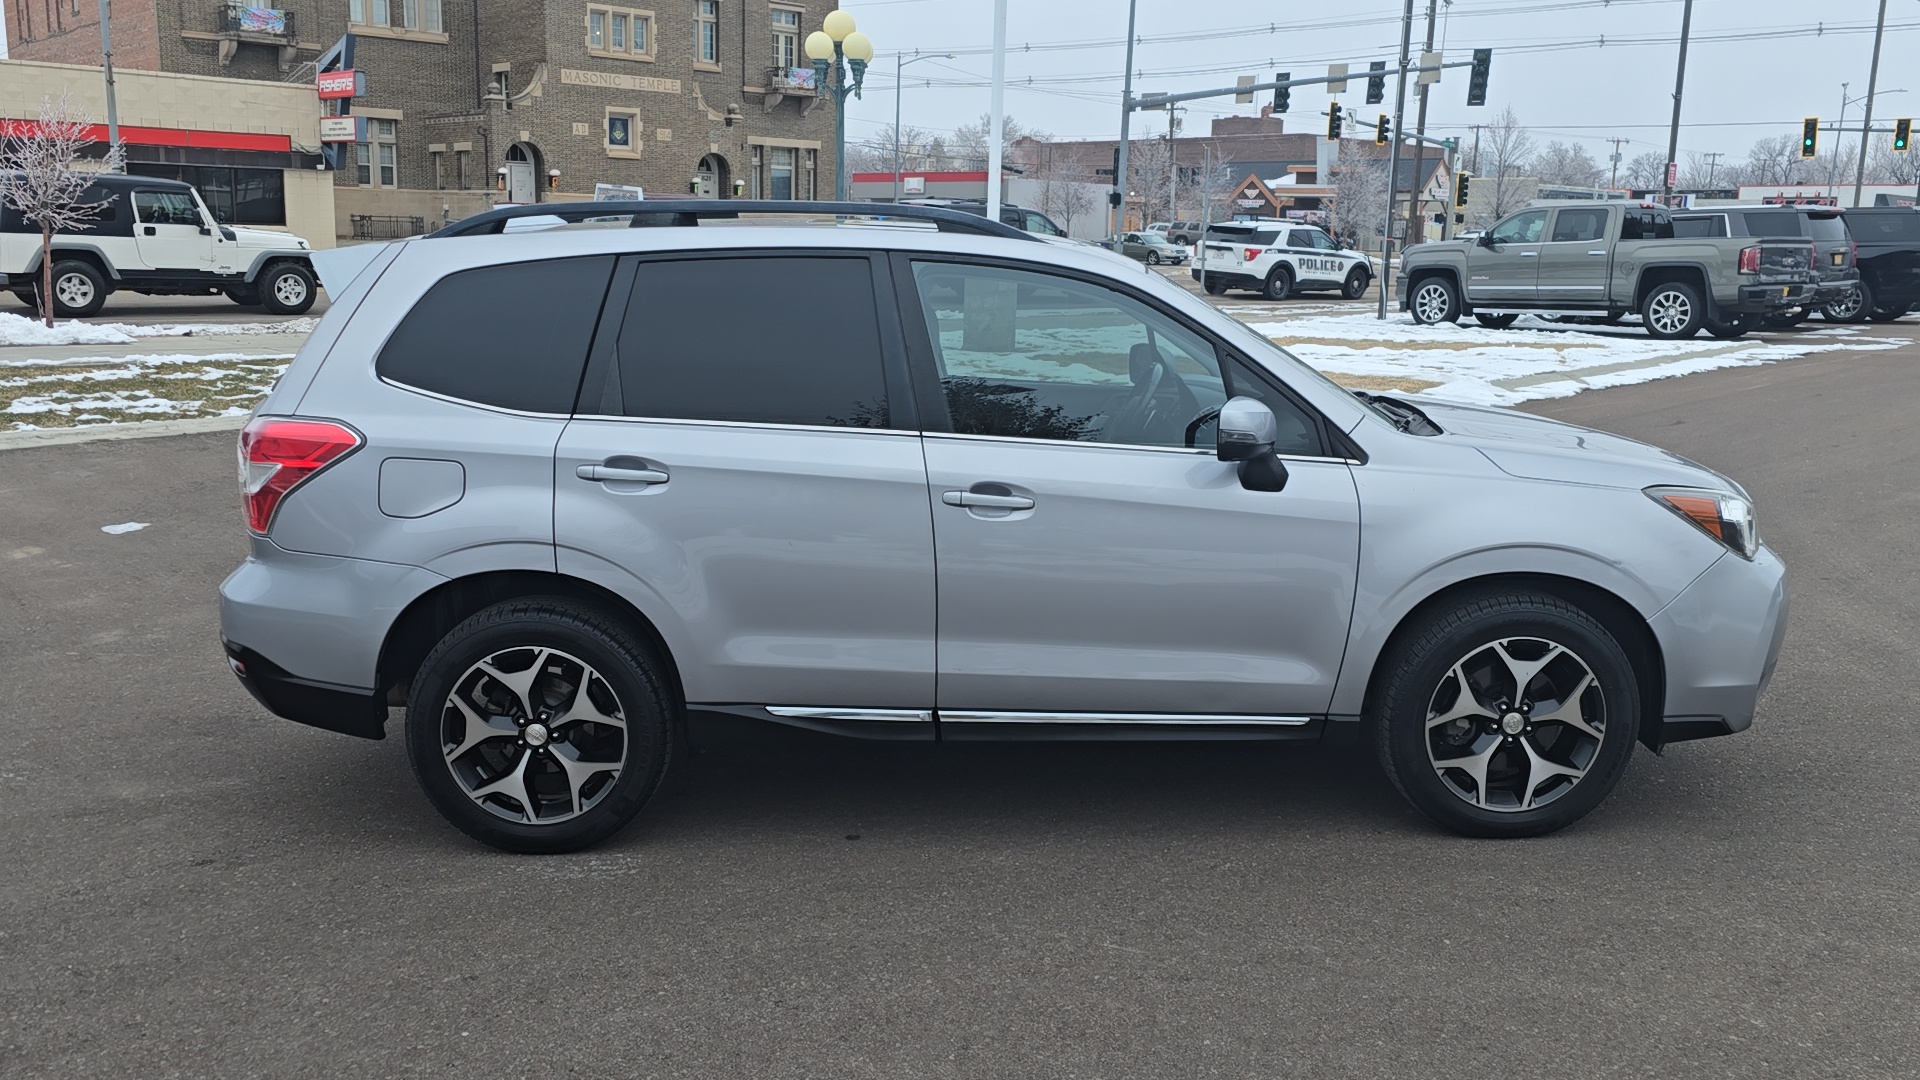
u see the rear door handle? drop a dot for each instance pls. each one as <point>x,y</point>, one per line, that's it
<point>976,500</point>
<point>607,473</point>
<point>1596,252</point>
<point>1529,254</point>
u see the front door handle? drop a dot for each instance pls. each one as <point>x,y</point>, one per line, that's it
<point>977,501</point>
<point>150,231</point>
<point>1529,254</point>
<point>609,474</point>
<point>1602,252</point>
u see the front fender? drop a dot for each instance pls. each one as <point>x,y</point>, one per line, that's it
<point>261,259</point>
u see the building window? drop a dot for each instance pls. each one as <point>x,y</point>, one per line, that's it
<point>439,170</point>
<point>401,14</point>
<point>460,166</point>
<point>786,38</point>
<point>378,159</point>
<point>706,31</point>
<point>812,170</point>
<point>621,32</point>
<point>623,133</point>
<point>780,174</point>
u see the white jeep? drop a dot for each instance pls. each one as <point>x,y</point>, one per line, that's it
<point>1277,259</point>
<point>156,237</point>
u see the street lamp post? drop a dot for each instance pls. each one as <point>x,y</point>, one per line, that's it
<point>834,48</point>
<point>899,91</point>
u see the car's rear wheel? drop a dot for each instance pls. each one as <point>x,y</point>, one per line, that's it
<point>1355,286</point>
<point>1510,714</point>
<point>1852,307</point>
<point>79,290</point>
<point>540,726</point>
<point>1279,284</point>
<point>1673,310</point>
<point>1732,328</point>
<point>1883,315</point>
<point>1215,286</point>
<point>1496,322</point>
<point>287,289</point>
<point>1780,320</point>
<point>1434,300</point>
<point>26,297</point>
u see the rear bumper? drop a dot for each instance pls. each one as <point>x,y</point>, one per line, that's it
<point>1232,278</point>
<point>346,709</point>
<point>1834,287</point>
<point>1721,639</point>
<point>1761,299</point>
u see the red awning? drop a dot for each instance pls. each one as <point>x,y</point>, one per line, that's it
<point>153,136</point>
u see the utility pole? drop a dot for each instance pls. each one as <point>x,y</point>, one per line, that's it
<point>1173,158</point>
<point>113,108</point>
<point>1419,148</point>
<point>996,129</point>
<point>1679,85</point>
<point>1833,163</point>
<point>1475,167</point>
<point>1866,126</point>
<point>1713,166</point>
<point>1393,156</point>
<point>1117,210</point>
<point>1613,181</point>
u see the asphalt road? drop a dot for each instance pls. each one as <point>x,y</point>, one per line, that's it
<point>193,888</point>
<point>127,307</point>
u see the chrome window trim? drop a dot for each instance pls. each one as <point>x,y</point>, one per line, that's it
<point>1194,451</point>
<point>758,424</point>
<point>810,712</point>
<point>972,717</point>
<point>450,399</point>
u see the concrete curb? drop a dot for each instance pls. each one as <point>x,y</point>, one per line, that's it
<point>19,440</point>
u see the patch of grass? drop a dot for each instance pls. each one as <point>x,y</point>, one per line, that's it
<point>113,392</point>
<point>1380,382</point>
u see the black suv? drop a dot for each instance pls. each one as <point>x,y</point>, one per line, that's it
<point>1888,239</point>
<point>1835,277</point>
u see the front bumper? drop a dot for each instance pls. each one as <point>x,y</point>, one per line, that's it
<point>1721,639</point>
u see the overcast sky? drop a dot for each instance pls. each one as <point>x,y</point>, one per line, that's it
<point>1754,68</point>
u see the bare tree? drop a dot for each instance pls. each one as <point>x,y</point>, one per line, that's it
<point>1700,173</point>
<point>1646,171</point>
<point>969,145</point>
<point>1359,201</point>
<point>1774,161</point>
<point>1150,178</point>
<point>875,153</point>
<point>1506,157</point>
<point>1066,186</point>
<point>1212,187</point>
<point>38,179</point>
<point>1568,164</point>
<point>1884,166</point>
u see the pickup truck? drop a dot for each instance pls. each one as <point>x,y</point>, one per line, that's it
<point>157,237</point>
<point>1889,258</point>
<point>1606,260</point>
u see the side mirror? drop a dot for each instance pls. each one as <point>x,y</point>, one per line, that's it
<point>1486,240</point>
<point>1246,433</point>
<point>204,231</point>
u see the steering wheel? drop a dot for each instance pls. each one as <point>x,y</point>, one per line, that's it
<point>1131,424</point>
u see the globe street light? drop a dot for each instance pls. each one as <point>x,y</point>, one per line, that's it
<point>837,41</point>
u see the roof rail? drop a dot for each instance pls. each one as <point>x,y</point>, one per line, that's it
<point>689,212</point>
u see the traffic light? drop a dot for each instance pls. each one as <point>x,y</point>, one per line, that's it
<point>1902,132</point>
<point>1810,137</point>
<point>1376,82</point>
<point>1334,116</point>
<point>1383,130</point>
<point>1281,93</point>
<point>1460,183</point>
<point>1477,81</point>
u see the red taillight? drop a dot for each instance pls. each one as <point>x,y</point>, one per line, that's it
<point>278,455</point>
<point>1251,254</point>
<point>1750,260</point>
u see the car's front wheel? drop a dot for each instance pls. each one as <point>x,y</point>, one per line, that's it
<point>540,726</point>
<point>287,289</point>
<point>1673,310</point>
<point>1153,258</point>
<point>1508,714</point>
<point>1497,322</point>
<point>1434,300</point>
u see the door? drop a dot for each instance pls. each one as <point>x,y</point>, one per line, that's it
<point>169,233</point>
<point>1574,262</point>
<point>520,185</point>
<point>1094,557</point>
<point>1508,266</point>
<point>753,481</point>
<point>1314,257</point>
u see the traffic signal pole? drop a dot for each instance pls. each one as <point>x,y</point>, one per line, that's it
<point>1873,79</point>
<point>1420,149</point>
<point>1393,156</point>
<point>1118,202</point>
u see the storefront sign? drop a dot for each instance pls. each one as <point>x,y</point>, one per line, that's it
<point>342,84</point>
<point>647,83</point>
<point>342,129</point>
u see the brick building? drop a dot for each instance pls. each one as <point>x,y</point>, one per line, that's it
<point>472,102</point>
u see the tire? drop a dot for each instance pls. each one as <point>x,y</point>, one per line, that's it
<point>1279,284</point>
<point>1215,286</point>
<point>1433,300</point>
<point>245,295</point>
<point>286,288</point>
<point>1153,258</point>
<point>1781,320</point>
<point>1672,311</point>
<point>552,642</point>
<point>1886,315</point>
<point>1613,318</point>
<point>1496,322</point>
<point>1734,328</point>
<point>1572,755</point>
<point>1856,306</point>
<point>27,297</point>
<point>1356,284</point>
<point>79,289</point>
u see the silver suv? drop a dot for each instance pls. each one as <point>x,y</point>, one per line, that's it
<point>555,492</point>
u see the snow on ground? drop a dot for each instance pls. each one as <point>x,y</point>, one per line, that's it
<point>19,330</point>
<point>154,386</point>
<point>1529,361</point>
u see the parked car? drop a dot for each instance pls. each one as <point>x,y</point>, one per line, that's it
<point>1836,278</point>
<point>1278,259</point>
<point>1186,232</point>
<point>155,237</point>
<point>552,541</point>
<point>1150,247</point>
<point>1889,259</point>
<point>1020,217</point>
<point>1606,260</point>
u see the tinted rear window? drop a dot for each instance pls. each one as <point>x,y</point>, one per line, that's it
<point>785,340</point>
<point>1827,229</point>
<point>1885,228</point>
<point>513,336</point>
<point>1773,223</point>
<point>1715,226</point>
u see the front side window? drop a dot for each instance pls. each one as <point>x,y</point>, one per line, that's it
<point>165,208</point>
<point>1027,355</point>
<point>706,31</point>
<point>1523,229</point>
<point>470,338</point>
<point>786,38</point>
<point>1579,226</point>
<point>1038,223</point>
<point>684,355</point>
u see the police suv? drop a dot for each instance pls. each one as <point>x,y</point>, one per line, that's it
<point>1277,259</point>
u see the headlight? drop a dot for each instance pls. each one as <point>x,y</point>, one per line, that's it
<point>1722,515</point>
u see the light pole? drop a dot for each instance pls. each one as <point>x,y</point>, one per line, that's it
<point>837,41</point>
<point>1833,164</point>
<point>899,91</point>
<point>1866,125</point>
